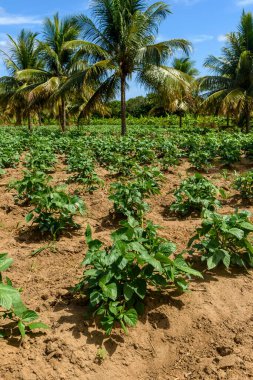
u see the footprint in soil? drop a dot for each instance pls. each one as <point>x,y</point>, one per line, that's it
<point>158,320</point>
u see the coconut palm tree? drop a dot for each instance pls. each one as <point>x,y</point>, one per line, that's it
<point>119,41</point>
<point>185,65</point>
<point>173,90</point>
<point>231,88</point>
<point>60,62</point>
<point>22,55</point>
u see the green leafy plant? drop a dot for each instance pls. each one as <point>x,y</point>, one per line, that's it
<point>195,194</point>
<point>32,183</point>
<point>244,184</point>
<point>230,150</point>
<point>117,278</point>
<point>128,198</point>
<point>41,159</point>
<point>12,307</point>
<point>201,159</point>
<point>225,239</point>
<point>83,167</point>
<point>54,210</point>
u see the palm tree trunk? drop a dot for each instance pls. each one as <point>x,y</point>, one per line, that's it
<point>248,121</point>
<point>62,115</point>
<point>180,121</point>
<point>29,120</point>
<point>39,118</point>
<point>18,118</point>
<point>123,105</point>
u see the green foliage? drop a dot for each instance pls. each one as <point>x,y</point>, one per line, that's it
<point>201,159</point>
<point>168,154</point>
<point>117,278</point>
<point>195,194</point>
<point>42,160</point>
<point>12,307</point>
<point>225,239</point>
<point>244,184</point>
<point>128,198</point>
<point>32,183</point>
<point>83,166</point>
<point>54,210</point>
<point>230,150</point>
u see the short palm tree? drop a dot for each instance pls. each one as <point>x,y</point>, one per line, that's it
<point>22,55</point>
<point>121,41</point>
<point>60,62</point>
<point>231,88</point>
<point>185,65</point>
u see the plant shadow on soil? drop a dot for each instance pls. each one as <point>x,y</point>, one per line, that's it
<point>154,315</point>
<point>32,234</point>
<point>237,201</point>
<point>13,336</point>
<point>76,308</point>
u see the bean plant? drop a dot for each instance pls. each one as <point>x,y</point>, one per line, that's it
<point>225,239</point>
<point>12,308</point>
<point>117,278</point>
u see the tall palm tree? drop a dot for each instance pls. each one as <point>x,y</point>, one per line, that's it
<point>121,39</point>
<point>22,55</point>
<point>230,89</point>
<point>60,62</point>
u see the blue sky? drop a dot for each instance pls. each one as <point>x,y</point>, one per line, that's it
<point>204,22</point>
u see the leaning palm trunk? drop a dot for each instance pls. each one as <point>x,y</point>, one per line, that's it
<point>123,106</point>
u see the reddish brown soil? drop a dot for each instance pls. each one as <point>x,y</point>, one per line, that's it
<point>203,334</point>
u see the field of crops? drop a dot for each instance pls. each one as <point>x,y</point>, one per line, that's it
<point>126,255</point>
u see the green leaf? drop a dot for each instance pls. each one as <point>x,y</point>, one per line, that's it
<point>110,291</point>
<point>29,316</point>
<point>182,284</point>
<point>10,297</point>
<point>137,247</point>
<point>140,287</point>
<point>38,325</point>
<point>95,298</point>
<point>5,301</point>
<point>152,261</point>
<point>21,328</point>
<point>248,246</point>
<point>128,292</point>
<point>247,226</point>
<point>29,217</point>
<point>5,262</point>
<point>239,234</point>
<point>226,260</point>
<point>107,323</point>
<point>215,259</point>
<point>180,264</point>
<point>130,317</point>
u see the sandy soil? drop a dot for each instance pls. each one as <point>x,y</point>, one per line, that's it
<point>203,334</point>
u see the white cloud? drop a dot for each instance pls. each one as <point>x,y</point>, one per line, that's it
<point>12,19</point>
<point>222,38</point>
<point>243,3</point>
<point>201,38</point>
